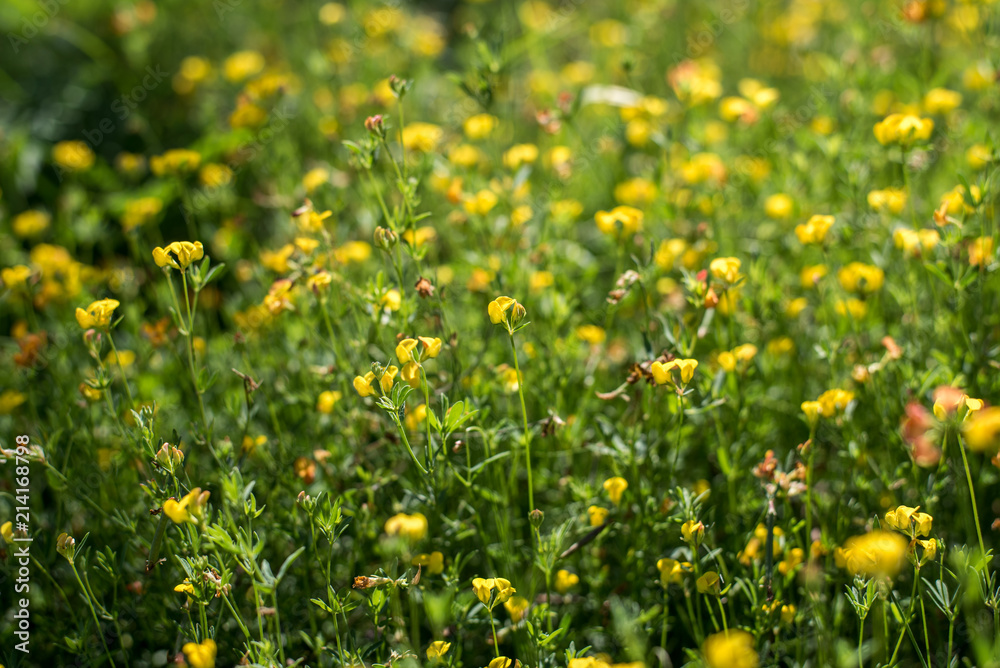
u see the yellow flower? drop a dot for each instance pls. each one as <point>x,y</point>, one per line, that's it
<point>201,655</point>
<point>484,588</point>
<point>437,649</point>
<point>432,347</point>
<point>693,532</point>
<point>907,520</point>
<point>565,581</point>
<point>726,269</point>
<point>778,206</point>
<point>671,571</point>
<point>404,350</point>
<point>504,662</point>
<point>411,527</point>
<point>833,401</point>
<point>903,129</point>
<point>597,515</point>
<point>662,372</point>
<point>591,334</point>
<point>889,199</point>
<point>928,550</point>
<point>10,400</point>
<point>853,307</point>
<point>314,178</point>
<point>465,155</point>
<point>421,137</point>
<point>432,563</point>
<point>732,649</point>
<point>242,65</point>
<point>615,487</point>
<point>15,276</point>
<point>76,156</point>
<point>814,230</point>
<point>982,430</point>
<point>411,374</point>
<point>812,410</point>
<point>7,531</point>
<point>30,223</point>
<point>188,509</point>
<point>327,400</point>
<point>981,251</point>
<point>98,314</point>
<point>520,154</point>
<point>185,587</point>
<point>516,606</point>
<point>363,384</point>
<point>941,101</point>
<point>392,300</point>
<point>879,553</point>
<point>861,278</point>
<point>480,126</point>
<point>978,156</point>
<point>481,203</point>
<point>140,211</point>
<point>709,583</point>
<point>629,218</point>
<point>179,254</point>
<point>788,613</point>
<point>498,309</point>
<point>175,161</point>
<point>635,192</point>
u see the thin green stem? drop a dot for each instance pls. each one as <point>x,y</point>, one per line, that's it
<point>406,443</point>
<point>972,498</point>
<point>496,643</point>
<point>93,612</point>
<point>524,417</point>
<point>121,369</point>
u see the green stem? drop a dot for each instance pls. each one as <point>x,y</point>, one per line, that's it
<point>406,443</point>
<point>524,417</point>
<point>93,612</point>
<point>496,643</point>
<point>861,640</point>
<point>277,622</point>
<point>237,617</point>
<point>427,414</point>
<point>121,369</point>
<point>677,442</point>
<point>972,497</point>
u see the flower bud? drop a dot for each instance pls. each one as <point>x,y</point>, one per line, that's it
<point>169,457</point>
<point>536,517</point>
<point>385,238</point>
<point>66,546</point>
<point>517,314</point>
<point>375,125</point>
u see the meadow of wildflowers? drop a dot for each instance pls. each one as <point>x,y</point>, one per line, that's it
<point>489,334</point>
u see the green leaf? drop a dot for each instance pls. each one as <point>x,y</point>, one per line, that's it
<point>935,270</point>
<point>288,562</point>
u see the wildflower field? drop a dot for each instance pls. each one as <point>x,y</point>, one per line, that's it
<point>499,334</point>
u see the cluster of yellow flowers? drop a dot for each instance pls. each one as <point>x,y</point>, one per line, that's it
<point>663,372</point>
<point>179,254</point>
<point>411,527</point>
<point>814,230</point>
<point>98,314</point>
<point>626,218</point>
<point>491,591</point>
<point>874,554</point>
<point>829,404</point>
<point>430,347</point>
<point>903,129</point>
